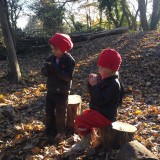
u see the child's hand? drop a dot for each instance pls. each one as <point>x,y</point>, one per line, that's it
<point>45,72</point>
<point>47,65</point>
<point>50,67</point>
<point>92,79</point>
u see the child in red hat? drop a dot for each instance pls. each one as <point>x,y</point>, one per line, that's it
<point>58,69</point>
<point>106,96</point>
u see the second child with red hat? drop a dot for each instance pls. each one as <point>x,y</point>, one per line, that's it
<point>106,96</point>
<point>58,69</point>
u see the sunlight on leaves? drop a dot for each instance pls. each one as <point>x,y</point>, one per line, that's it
<point>42,87</point>
<point>2,100</point>
<point>137,112</point>
<point>36,150</point>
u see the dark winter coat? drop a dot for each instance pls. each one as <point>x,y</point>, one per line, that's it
<point>59,76</point>
<point>107,96</point>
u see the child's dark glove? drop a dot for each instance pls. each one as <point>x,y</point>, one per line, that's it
<point>49,66</point>
<point>45,72</point>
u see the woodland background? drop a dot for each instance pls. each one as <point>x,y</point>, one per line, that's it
<point>23,51</point>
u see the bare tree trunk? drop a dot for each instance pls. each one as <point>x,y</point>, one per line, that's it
<point>155,15</point>
<point>13,62</point>
<point>131,20</point>
<point>123,3</point>
<point>143,18</point>
<point>87,19</point>
<point>112,16</point>
<point>134,19</point>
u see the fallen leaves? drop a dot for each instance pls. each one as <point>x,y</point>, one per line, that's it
<point>2,100</point>
<point>137,112</point>
<point>31,126</point>
<point>25,139</point>
<point>36,150</point>
<point>50,154</point>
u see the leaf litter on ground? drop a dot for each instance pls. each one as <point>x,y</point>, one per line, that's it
<point>24,138</point>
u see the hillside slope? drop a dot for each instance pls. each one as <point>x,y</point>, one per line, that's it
<point>139,73</point>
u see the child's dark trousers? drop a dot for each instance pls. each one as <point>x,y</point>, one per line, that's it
<point>56,105</point>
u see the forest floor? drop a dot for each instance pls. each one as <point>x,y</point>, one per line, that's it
<point>24,137</point>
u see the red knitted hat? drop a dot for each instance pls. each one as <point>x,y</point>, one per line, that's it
<point>62,42</point>
<point>110,58</point>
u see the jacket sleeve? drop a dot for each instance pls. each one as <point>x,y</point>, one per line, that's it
<point>66,74</point>
<point>102,96</point>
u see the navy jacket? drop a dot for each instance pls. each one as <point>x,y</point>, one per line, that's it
<point>59,76</point>
<point>107,96</point>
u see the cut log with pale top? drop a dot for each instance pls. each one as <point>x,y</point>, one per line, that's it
<point>135,150</point>
<point>73,109</point>
<point>116,135</point>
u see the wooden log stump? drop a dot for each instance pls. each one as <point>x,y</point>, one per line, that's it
<point>73,109</point>
<point>116,135</point>
<point>135,150</point>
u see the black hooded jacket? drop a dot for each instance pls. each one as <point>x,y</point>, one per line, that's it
<point>107,96</point>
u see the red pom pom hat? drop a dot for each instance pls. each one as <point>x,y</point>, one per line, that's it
<point>110,58</point>
<point>62,42</point>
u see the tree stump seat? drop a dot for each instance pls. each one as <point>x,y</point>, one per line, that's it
<point>73,109</point>
<point>116,135</point>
